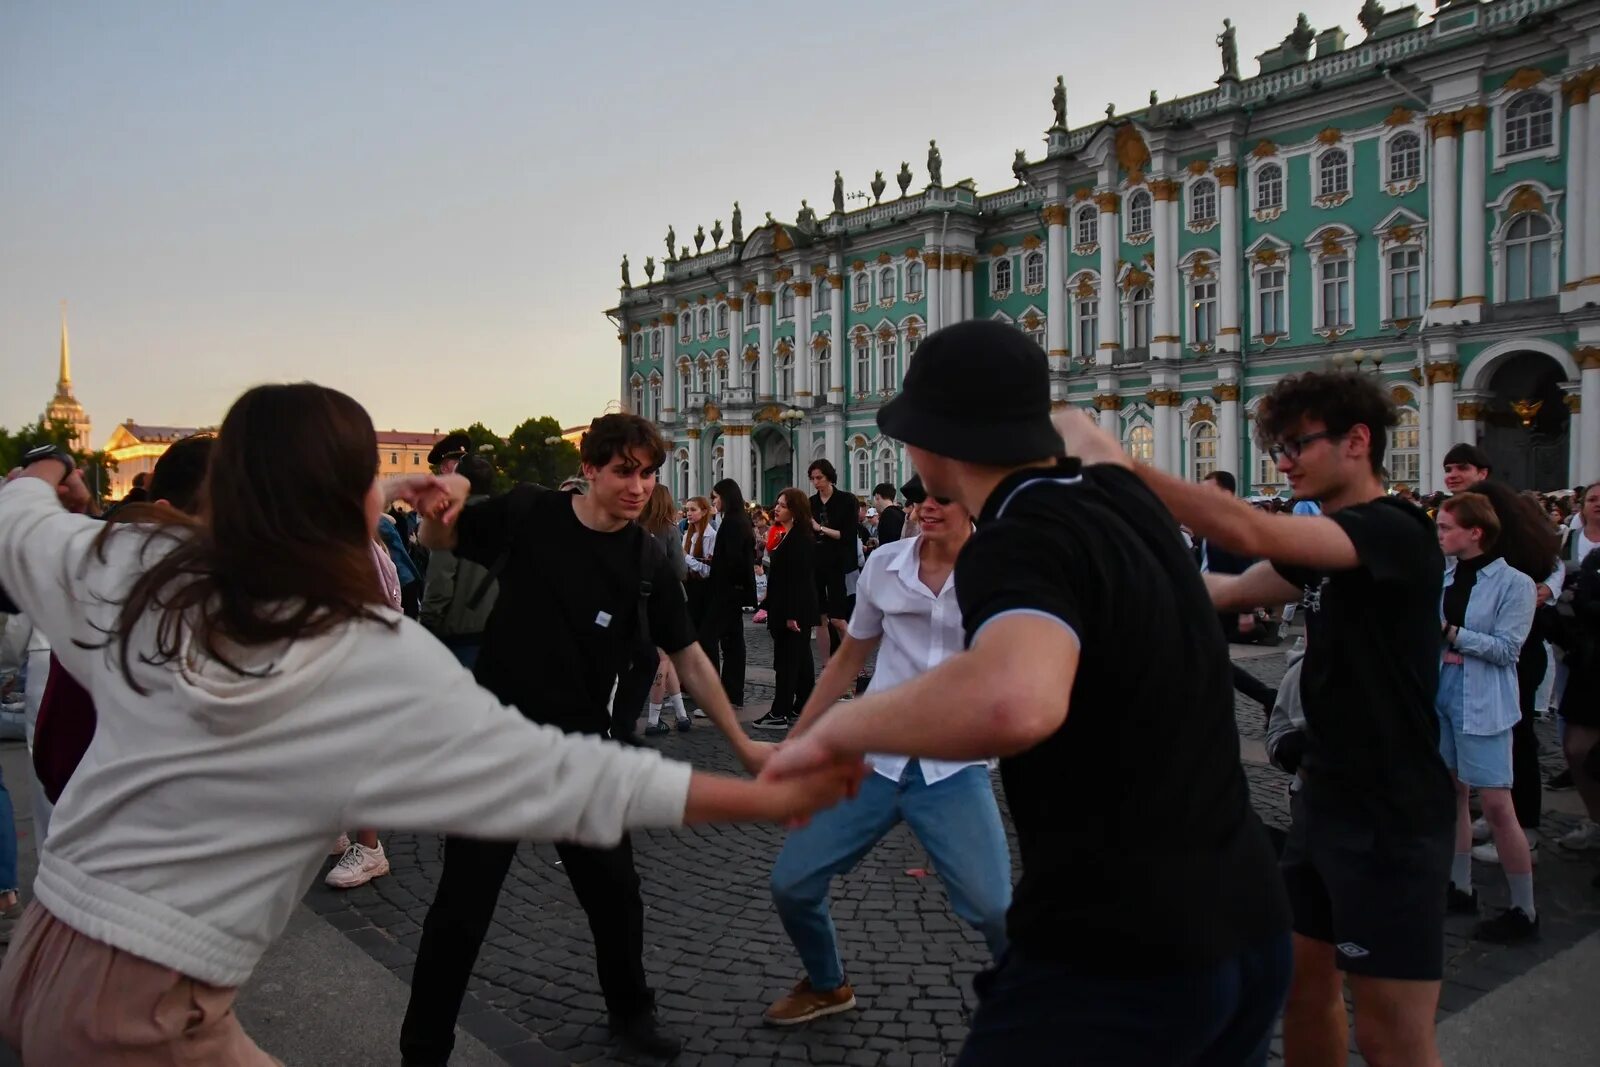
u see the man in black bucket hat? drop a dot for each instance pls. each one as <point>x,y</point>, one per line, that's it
<point>1095,667</point>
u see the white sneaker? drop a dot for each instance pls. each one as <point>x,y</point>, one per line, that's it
<point>1584,839</point>
<point>1487,853</point>
<point>358,866</point>
<point>341,845</point>
<point>1480,830</point>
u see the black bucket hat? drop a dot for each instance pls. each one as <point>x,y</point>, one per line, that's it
<point>450,446</point>
<point>977,392</point>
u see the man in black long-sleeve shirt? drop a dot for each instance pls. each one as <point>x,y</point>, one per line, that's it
<point>834,521</point>
<point>891,518</point>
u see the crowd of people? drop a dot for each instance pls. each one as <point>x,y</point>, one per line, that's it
<point>273,651</point>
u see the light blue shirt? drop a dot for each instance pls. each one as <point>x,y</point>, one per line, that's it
<point>1499,616</point>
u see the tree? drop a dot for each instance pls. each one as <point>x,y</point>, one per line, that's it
<point>96,466</point>
<point>485,442</point>
<point>536,453</point>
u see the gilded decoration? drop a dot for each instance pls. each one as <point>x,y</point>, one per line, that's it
<point>683,305</point>
<point>1442,125</point>
<point>819,344</point>
<point>1263,149</point>
<point>1082,193</point>
<point>1202,413</point>
<point>782,274</point>
<point>1402,395</point>
<point>670,318</point>
<point>701,300</point>
<point>1466,411</point>
<point>1108,203</point>
<point>1163,398</point>
<point>802,288</point>
<point>1226,392</point>
<point>1031,242</point>
<point>751,355</point>
<point>968,262</point>
<point>1330,245</point>
<point>1227,175</point>
<point>858,264</point>
<point>693,433</point>
<point>781,241</point>
<point>913,253</point>
<point>1266,256</point>
<point>1415,375</point>
<point>1444,371</point>
<point>884,259</point>
<point>1576,89</point>
<point>819,271</point>
<point>622,337</point>
<point>1331,135</point>
<point>783,347</point>
<point>1054,214</point>
<point>1085,288</point>
<point>712,413</point>
<point>1199,167</point>
<point>1588,357</point>
<point>1400,234</point>
<point>1031,321</point>
<point>735,303</point>
<point>1164,189</point>
<point>750,287</point>
<point>998,250</point>
<point>722,359</point>
<point>1135,279</point>
<point>1526,78</point>
<point>1526,198</point>
<point>1400,116</point>
<point>736,431</point>
<point>885,332</point>
<point>1573,402</point>
<point>721,297</point>
<point>836,281</point>
<point>931,260</point>
<point>1132,153</point>
<point>1108,402</point>
<point>764,298</point>
<point>1475,118</point>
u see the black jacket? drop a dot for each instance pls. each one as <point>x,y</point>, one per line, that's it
<point>732,583</point>
<point>891,524</point>
<point>792,582</point>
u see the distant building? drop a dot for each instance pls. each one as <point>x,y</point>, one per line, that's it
<point>134,449</point>
<point>573,435</point>
<point>64,407</point>
<point>404,452</point>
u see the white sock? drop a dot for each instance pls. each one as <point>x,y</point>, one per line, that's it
<point>655,714</point>
<point>1522,893</point>
<point>1461,871</point>
<point>676,700</point>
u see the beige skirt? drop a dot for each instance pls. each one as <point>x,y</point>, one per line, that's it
<point>69,999</point>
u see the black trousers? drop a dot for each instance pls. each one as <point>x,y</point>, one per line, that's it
<point>722,636</point>
<point>607,886</point>
<point>1254,688</point>
<point>793,668</point>
<point>1527,783</point>
<point>633,690</point>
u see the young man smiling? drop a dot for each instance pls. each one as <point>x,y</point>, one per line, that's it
<point>1369,852</point>
<point>579,581</point>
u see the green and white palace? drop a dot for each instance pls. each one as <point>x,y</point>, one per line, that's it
<point>1422,205</point>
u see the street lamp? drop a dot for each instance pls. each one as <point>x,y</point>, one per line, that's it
<point>791,418</point>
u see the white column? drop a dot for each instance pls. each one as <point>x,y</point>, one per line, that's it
<point>833,444</point>
<point>741,465</point>
<point>1468,412</point>
<point>764,313</point>
<point>1228,429</point>
<point>1442,235</point>
<point>1577,198</point>
<point>802,342</point>
<point>696,472</point>
<point>968,264</point>
<point>1107,403</point>
<point>1165,426</point>
<point>1228,297</point>
<point>1110,307</point>
<point>836,386</point>
<point>1165,325</point>
<point>736,363</point>
<point>952,289</point>
<point>1425,440</point>
<point>932,283</point>
<point>1591,207</point>
<point>1589,416</point>
<point>1055,280</point>
<point>1473,243</point>
<point>625,395</point>
<point>1442,383</point>
<point>1574,403</point>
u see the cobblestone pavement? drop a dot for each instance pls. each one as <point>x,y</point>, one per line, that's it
<point>716,954</point>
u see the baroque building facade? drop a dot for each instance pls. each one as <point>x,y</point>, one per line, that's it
<point>1422,206</point>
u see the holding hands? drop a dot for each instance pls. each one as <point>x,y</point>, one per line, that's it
<point>436,497</point>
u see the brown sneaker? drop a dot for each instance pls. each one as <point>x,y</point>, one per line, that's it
<point>804,1004</point>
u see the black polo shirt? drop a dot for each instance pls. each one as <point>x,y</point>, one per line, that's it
<point>1149,739</point>
<point>567,614</point>
<point>1371,673</point>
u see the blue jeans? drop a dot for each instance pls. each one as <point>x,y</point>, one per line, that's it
<point>8,840</point>
<point>1032,1011</point>
<point>957,822</point>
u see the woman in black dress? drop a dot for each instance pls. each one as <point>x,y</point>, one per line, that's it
<point>791,610</point>
<point>730,587</point>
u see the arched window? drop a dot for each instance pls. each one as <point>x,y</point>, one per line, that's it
<point>1139,212</point>
<point>1001,274</point>
<point>1088,326</point>
<point>1405,283</point>
<point>705,322</point>
<point>888,362</point>
<point>1088,225</point>
<point>748,374</point>
<point>786,303</point>
<point>913,278</point>
<point>1405,157</point>
<point>1203,201</point>
<point>654,398</point>
<point>824,368</point>
<point>863,289</point>
<point>861,372</point>
<point>786,374</point>
<point>886,288</point>
<point>683,475</point>
<point>1033,270</point>
<point>685,382</point>
<point>888,467</point>
<point>823,293</point>
<point>752,312</point>
<point>703,378</point>
<point>1202,449</point>
<point>719,464</point>
<point>1333,173</point>
<point>1203,311</point>
<point>722,375</point>
<point>1405,448</point>
<point>1528,258</point>
<point>1530,123</point>
<point>683,326</point>
<point>1142,443</point>
<point>1334,277</point>
<point>1269,187</point>
<point>1035,332</point>
<point>1140,303</point>
<point>722,318</point>
<point>1267,472</point>
<point>638,347</point>
<point>637,402</point>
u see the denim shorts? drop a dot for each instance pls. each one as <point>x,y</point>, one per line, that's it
<point>1477,760</point>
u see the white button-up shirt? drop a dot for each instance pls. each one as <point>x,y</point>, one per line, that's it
<point>920,630</point>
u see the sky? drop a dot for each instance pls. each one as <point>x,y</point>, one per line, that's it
<point>425,204</point>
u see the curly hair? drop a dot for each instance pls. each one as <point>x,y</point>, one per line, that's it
<point>1338,400</point>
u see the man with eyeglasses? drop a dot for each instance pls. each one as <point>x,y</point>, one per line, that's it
<point>1368,856</point>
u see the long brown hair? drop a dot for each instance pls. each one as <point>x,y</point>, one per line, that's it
<point>799,506</point>
<point>281,550</point>
<point>657,515</point>
<point>694,537</point>
<point>1524,537</point>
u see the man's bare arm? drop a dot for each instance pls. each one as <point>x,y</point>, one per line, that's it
<point>1259,587</point>
<point>702,682</point>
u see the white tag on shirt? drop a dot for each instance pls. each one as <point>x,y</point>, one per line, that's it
<point>602,620</point>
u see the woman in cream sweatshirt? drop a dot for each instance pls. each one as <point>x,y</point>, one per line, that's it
<point>255,696</point>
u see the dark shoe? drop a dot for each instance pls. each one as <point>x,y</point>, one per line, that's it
<point>685,725</point>
<point>644,1035</point>
<point>656,729</point>
<point>1460,902</point>
<point>1510,925</point>
<point>772,721</point>
<point>1561,782</point>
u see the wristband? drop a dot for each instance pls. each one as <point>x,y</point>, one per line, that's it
<point>55,452</point>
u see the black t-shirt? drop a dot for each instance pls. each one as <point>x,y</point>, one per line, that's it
<point>1459,592</point>
<point>567,616</point>
<point>839,513</point>
<point>891,524</point>
<point>1149,738</point>
<point>1371,673</point>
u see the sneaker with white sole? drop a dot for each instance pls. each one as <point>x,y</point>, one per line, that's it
<point>1585,838</point>
<point>341,845</point>
<point>1487,853</point>
<point>1480,830</point>
<point>358,866</point>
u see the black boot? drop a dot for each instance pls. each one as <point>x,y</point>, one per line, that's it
<point>643,1034</point>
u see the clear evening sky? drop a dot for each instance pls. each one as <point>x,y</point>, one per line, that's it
<point>425,204</point>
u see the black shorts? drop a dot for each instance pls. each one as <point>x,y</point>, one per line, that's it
<point>832,600</point>
<point>1377,896</point>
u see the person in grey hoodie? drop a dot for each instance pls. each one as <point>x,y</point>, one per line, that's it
<point>459,595</point>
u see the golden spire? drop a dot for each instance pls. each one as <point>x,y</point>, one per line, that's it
<point>64,382</point>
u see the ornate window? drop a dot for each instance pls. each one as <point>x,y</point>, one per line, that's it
<point>888,361</point>
<point>888,466</point>
<point>1267,472</point>
<point>913,279</point>
<point>722,318</point>
<point>1202,449</point>
<point>752,308</point>
<point>1333,174</point>
<point>913,329</point>
<point>685,381</point>
<point>886,285</point>
<point>823,293</point>
<point>785,374</point>
<point>719,464</point>
<point>1139,214</point>
<point>861,373</point>
<point>1142,442</point>
<point>1140,304</point>
<point>861,463</point>
<point>1269,187</point>
<point>683,474</point>
<point>1088,327</point>
<point>636,406</point>
<point>1333,277</point>
<point>863,286</point>
<point>1000,274</point>
<point>824,369</point>
<point>638,347</point>
<point>705,322</point>
<point>1529,258</point>
<point>1405,283</point>
<point>722,373</point>
<point>1202,201</point>
<point>1203,311</point>
<point>1033,271</point>
<point>1529,123</point>
<point>703,378</point>
<point>748,373</point>
<point>1088,225</point>
<point>1405,448</point>
<point>1405,158</point>
<point>685,327</point>
<point>1272,318</point>
<point>654,395</point>
<point>785,303</point>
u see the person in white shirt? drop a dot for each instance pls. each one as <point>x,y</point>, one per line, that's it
<point>905,608</point>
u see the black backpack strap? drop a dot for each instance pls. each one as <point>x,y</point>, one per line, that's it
<point>517,511</point>
<point>647,568</point>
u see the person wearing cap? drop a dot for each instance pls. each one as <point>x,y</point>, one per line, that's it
<point>1096,669</point>
<point>447,452</point>
<point>906,609</point>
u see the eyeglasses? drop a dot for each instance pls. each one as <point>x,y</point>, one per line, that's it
<point>1296,445</point>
